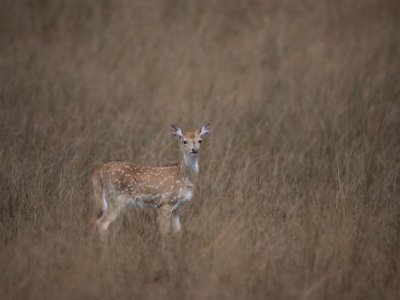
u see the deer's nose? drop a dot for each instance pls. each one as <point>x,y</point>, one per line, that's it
<point>195,150</point>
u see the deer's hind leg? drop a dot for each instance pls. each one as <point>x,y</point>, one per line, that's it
<point>110,211</point>
<point>108,216</point>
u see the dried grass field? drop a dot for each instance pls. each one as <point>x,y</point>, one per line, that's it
<point>298,195</point>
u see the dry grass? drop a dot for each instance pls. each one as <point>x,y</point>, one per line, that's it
<point>298,195</point>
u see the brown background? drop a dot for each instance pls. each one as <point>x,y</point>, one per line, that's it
<point>298,194</point>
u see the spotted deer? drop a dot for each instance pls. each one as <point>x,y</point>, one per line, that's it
<point>120,184</point>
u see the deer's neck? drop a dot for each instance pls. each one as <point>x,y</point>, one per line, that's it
<point>190,166</point>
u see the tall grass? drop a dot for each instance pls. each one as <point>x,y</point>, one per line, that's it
<point>298,192</point>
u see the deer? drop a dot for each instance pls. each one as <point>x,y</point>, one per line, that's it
<point>119,185</point>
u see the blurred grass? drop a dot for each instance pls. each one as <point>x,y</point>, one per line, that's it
<point>298,194</point>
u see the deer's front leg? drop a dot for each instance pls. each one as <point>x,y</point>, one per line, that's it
<point>176,222</point>
<point>165,218</point>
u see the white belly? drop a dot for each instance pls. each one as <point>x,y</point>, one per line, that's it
<point>145,201</point>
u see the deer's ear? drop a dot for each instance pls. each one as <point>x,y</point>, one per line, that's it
<point>205,129</point>
<point>176,132</point>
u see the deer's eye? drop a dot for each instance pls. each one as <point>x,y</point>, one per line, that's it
<point>200,142</point>
<point>185,142</point>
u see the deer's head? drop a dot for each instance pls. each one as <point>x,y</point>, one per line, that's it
<point>190,140</point>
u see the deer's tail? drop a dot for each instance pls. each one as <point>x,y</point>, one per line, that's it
<point>99,194</point>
